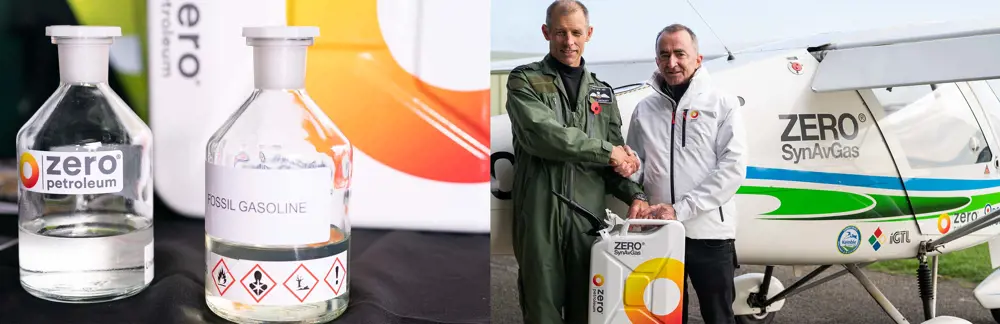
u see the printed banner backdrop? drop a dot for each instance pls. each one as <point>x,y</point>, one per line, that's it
<point>406,81</point>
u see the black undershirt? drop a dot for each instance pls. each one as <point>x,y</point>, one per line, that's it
<point>571,77</point>
<point>677,91</point>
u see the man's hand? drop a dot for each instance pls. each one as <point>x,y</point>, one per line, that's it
<point>631,152</point>
<point>629,165</point>
<point>618,156</point>
<point>627,168</point>
<point>638,209</point>
<point>662,211</point>
<point>659,211</point>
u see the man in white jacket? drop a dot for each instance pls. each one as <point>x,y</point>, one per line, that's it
<point>690,140</point>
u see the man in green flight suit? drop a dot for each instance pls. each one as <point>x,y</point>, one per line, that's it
<point>567,138</point>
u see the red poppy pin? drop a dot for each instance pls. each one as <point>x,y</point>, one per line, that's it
<point>595,107</point>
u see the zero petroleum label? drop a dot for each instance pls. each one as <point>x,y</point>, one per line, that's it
<point>71,173</point>
<point>278,283</point>
<point>947,222</point>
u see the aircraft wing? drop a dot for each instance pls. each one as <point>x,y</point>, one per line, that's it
<point>617,72</point>
<point>895,56</point>
<point>965,51</point>
<point>510,64</point>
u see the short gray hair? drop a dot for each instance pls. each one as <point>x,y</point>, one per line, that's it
<point>565,7</point>
<point>677,28</point>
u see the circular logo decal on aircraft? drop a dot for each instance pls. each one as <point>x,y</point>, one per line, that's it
<point>598,280</point>
<point>944,223</point>
<point>795,67</point>
<point>849,239</point>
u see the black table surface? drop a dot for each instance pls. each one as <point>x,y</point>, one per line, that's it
<point>396,277</point>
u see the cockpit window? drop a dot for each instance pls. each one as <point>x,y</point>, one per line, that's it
<point>934,124</point>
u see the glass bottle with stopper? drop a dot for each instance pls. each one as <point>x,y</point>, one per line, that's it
<point>85,182</point>
<point>277,180</point>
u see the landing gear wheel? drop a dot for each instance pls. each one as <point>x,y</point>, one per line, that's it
<point>766,318</point>
<point>995,312</point>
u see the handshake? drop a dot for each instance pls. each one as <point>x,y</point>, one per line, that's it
<point>624,160</point>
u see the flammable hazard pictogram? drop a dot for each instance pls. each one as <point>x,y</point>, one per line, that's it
<point>258,283</point>
<point>222,278</point>
<point>336,276</point>
<point>303,284</point>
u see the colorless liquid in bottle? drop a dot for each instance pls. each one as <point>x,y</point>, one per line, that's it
<point>85,216</point>
<point>86,256</point>
<point>320,312</point>
<point>223,278</point>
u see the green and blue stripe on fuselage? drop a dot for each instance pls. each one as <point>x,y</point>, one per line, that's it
<point>813,208</point>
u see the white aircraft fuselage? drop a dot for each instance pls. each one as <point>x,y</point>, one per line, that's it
<point>835,177</point>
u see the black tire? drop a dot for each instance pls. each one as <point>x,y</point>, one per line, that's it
<point>996,314</point>
<point>757,318</point>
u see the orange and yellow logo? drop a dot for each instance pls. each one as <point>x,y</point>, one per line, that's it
<point>28,163</point>
<point>598,280</point>
<point>401,119</point>
<point>671,270</point>
<point>695,114</point>
<point>944,223</point>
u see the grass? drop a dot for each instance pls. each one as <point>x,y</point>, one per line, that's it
<point>971,265</point>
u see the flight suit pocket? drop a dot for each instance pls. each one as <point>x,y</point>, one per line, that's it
<point>554,102</point>
<point>603,121</point>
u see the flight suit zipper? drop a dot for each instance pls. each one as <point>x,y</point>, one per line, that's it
<point>567,213</point>
<point>569,194</point>
<point>590,122</point>
<point>684,129</point>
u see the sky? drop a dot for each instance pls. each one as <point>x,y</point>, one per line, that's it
<point>626,29</point>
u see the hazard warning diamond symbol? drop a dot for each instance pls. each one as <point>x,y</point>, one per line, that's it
<point>336,276</point>
<point>222,278</point>
<point>258,283</point>
<point>303,284</point>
